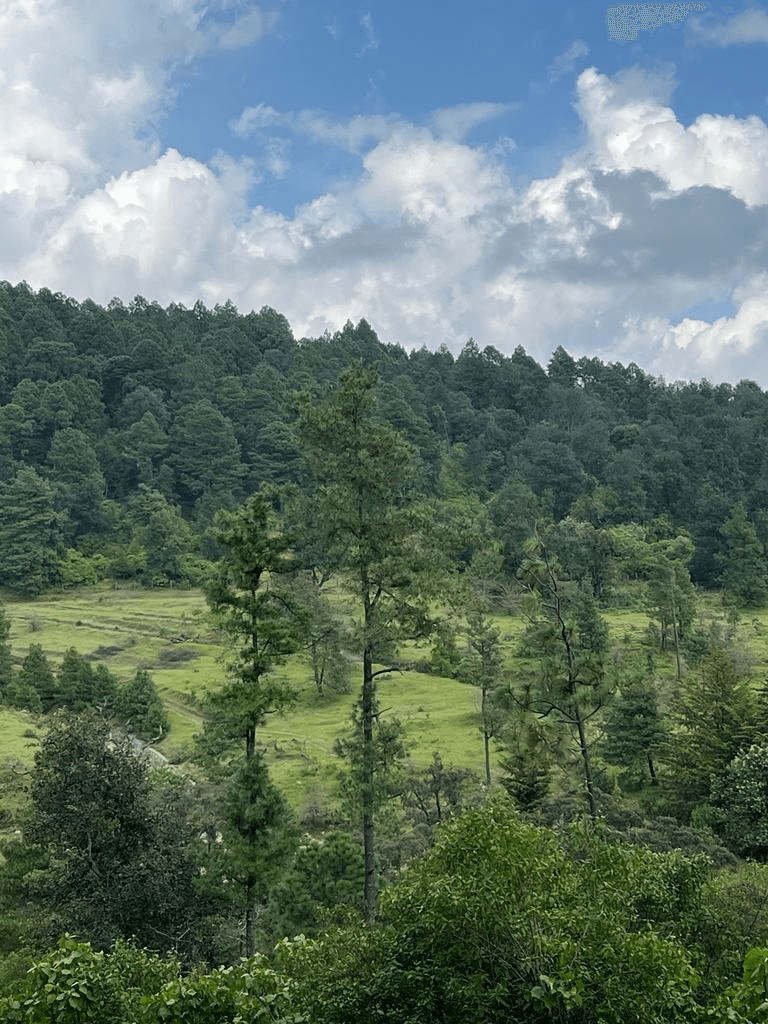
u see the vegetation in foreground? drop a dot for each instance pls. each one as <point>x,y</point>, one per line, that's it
<point>483,530</point>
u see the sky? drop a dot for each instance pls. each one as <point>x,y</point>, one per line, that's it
<point>518,172</point>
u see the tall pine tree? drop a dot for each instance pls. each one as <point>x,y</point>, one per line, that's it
<point>745,571</point>
<point>362,472</point>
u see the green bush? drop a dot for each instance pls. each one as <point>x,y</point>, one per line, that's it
<point>502,921</point>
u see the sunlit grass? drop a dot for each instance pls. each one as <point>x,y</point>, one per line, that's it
<point>169,633</point>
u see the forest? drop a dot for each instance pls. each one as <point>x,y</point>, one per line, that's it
<point>581,548</point>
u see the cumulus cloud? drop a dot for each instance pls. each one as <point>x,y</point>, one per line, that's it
<point>83,88</point>
<point>639,132</point>
<point>164,222</point>
<point>430,239</point>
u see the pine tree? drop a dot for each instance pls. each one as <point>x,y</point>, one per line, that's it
<point>714,718</point>
<point>76,681</point>
<point>36,677</point>
<point>362,472</point>
<point>481,667</point>
<point>567,637</point>
<point>259,620</point>
<point>633,728</point>
<point>138,703</point>
<point>745,571</point>
<point>257,617</point>
<point>6,663</point>
<point>30,534</point>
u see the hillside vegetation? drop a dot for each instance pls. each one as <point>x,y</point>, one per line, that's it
<point>454,666</point>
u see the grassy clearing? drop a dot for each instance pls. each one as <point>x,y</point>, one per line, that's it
<point>169,633</point>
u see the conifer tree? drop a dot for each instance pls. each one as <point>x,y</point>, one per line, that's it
<point>745,571</point>
<point>634,731</point>
<point>362,472</point>
<point>139,704</point>
<point>258,617</point>
<point>481,667</point>
<point>36,677</point>
<point>714,718</point>
<point>30,533</point>
<point>567,638</point>
<point>6,664</point>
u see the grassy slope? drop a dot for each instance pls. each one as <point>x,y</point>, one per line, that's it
<point>168,632</point>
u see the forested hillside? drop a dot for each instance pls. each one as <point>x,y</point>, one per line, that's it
<point>170,414</point>
<point>581,547</point>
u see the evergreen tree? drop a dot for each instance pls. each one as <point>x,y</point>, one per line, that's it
<point>36,678</point>
<point>138,703</point>
<point>256,613</point>
<point>362,471</point>
<point>162,536</point>
<point>567,638</point>
<point>526,774</point>
<point>481,667</point>
<point>30,534</point>
<point>259,841</point>
<point>6,663</point>
<point>78,482</point>
<point>634,732</point>
<point>714,718</point>
<point>257,617</point>
<point>205,456</point>
<point>670,598</point>
<point>745,572</point>
<point>77,683</point>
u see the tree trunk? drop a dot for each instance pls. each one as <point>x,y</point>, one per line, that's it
<point>587,763</point>
<point>575,714</point>
<point>250,924</point>
<point>652,770</point>
<point>674,628</point>
<point>368,708</point>
<point>486,737</point>
<point>317,668</point>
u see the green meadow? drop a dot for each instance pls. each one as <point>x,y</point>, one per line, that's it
<point>169,633</point>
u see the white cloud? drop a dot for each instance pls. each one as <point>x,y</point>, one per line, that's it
<point>710,347</point>
<point>276,157</point>
<point>247,29</point>
<point>254,118</point>
<point>567,60</point>
<point>165,222</point>
<point>641,133</point>
<point>429,239</point>
<point>362,130</point>
<point>456,122</point>
<point>352,133</point>
<point>371,39</point>
<point>750,26</point>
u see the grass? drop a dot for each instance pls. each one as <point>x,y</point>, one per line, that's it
<point>165,631</point>
<point>168,632</point>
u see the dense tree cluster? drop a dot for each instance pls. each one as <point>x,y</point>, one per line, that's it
<point>123,429</point>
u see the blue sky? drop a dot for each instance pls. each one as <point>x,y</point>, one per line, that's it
<point>499,169</point>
